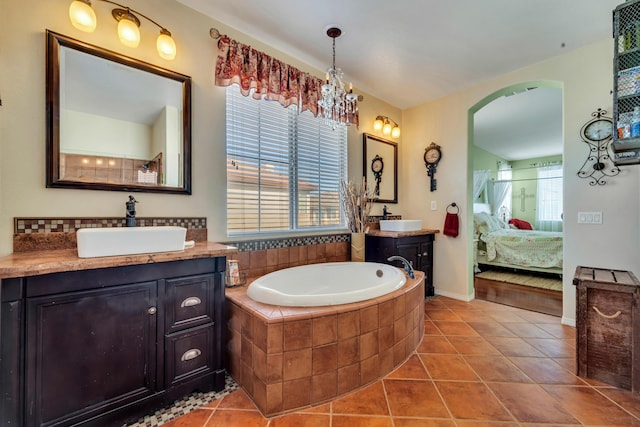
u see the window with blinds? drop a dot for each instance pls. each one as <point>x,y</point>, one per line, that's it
<point>283,168</point>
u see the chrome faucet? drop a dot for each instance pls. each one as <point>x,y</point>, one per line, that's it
<point>131,212</point>
<point>408,265</point>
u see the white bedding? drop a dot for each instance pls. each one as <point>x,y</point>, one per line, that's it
<point>525,248</point>
<point>518,248</point>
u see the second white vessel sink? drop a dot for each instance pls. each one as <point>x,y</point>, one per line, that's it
<point>96,242</point>
<point>400,225</point>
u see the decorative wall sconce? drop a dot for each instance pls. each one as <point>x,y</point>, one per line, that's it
<point>388,126</point>
<point>83,17</point>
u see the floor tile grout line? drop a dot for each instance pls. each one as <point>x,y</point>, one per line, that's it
<point>484,382</point>
<point>538,384</point>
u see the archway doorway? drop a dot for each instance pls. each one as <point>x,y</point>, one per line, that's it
<point>515,145</point>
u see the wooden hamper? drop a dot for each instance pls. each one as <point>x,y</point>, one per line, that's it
<point>608,326</point>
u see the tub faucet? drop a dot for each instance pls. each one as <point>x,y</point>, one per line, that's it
<point>385,212</point>
<point>408,265</point>
<point>131,212</point>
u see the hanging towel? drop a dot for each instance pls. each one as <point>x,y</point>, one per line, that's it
<point>451,224</point>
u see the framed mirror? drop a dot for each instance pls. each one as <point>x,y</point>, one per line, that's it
<point>114,122</point>
<point>380,168</point>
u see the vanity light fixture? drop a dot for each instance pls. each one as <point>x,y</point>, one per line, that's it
<point>83,17</point>
<point>388,126</point>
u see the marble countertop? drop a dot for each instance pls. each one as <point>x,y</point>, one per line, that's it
<point>21,264</point>
<point>380,233</point>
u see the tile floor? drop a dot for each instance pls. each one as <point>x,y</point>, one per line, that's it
<point>479,364</point>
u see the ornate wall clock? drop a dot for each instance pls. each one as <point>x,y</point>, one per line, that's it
<point>432,155</point>
<point>377,166</point>
<point>597,134</point>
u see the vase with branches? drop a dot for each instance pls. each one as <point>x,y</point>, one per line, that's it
<point>356,204</point>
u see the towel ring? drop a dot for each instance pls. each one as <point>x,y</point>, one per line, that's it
<point>453,205</point>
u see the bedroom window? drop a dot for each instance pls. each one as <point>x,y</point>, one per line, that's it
<point>549,206</point>
<point>503,190</point>
<point>283,168</point>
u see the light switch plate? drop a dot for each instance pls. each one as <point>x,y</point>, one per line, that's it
<point>434,205</point>
<point>589,217</point>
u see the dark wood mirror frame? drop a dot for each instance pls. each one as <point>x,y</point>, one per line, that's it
<point>387,151</point>
<point>54,43</point>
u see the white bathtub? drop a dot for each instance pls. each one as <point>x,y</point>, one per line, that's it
<point>326,284</point>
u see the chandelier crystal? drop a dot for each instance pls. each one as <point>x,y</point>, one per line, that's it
<point>337,106</point>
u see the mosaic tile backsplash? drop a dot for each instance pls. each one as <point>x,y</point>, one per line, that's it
<point>66,225</point>
<point>40,234</point>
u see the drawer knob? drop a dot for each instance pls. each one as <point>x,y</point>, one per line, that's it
<point>190,302</point>
<point>190,354</point>
<point>612,316</point>
<point>152,310</point>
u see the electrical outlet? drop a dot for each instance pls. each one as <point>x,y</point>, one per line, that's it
<point>434,205</point>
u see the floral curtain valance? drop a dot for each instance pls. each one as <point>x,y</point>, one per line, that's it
<point>270,78</point>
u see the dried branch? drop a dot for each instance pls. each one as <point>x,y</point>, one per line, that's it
<point>356,204</point>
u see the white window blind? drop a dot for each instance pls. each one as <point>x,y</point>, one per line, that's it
<point>283,168</point>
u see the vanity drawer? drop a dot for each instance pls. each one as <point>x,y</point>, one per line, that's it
<point>190,302</point>
<point>189,354</point>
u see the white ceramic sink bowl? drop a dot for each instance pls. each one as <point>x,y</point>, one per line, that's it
<point>400,224</point>
<point>95,242</point>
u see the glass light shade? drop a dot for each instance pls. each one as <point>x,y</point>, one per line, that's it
<point>377,124</point>
<point>82,16</point>
<point>395,132</point>
<point>166,46</point>
<point>128,33</point>
<point>386,129</point>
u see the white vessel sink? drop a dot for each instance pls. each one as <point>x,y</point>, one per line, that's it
<point>400,225</point>
<point>95,242</point>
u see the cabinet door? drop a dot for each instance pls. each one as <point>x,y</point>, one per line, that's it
<point>89,352</point>
<point>410,252</point>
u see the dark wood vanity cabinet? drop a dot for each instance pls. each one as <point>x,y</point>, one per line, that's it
<point>104,346</point>
<point>417,249</point>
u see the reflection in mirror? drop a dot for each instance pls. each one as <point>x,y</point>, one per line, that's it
<point>115,123</point>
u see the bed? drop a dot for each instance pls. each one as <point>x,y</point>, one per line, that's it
<point>521,256</point>
<point>500,244</point>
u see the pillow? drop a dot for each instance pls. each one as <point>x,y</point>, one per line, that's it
<point>520,224</point>
<point>486,223</point>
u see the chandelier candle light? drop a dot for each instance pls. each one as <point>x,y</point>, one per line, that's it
<point>83,17</point>
<point>337,106</point>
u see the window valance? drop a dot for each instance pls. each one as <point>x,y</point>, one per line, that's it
<point>266,77</point>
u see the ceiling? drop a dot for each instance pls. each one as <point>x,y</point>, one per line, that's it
<point>408,52</point>
<point>522,125</point>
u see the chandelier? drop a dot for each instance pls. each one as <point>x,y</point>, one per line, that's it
<point>337,106</point>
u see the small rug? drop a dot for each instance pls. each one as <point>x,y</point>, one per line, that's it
<point>184,405</point>
<point>523,279</point>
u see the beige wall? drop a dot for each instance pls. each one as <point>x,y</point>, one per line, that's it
<point>585,75</point>
<point>22,115</point>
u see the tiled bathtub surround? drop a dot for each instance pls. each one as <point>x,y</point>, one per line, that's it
<point>287,358</point>
<point>260,257</point>
<point>36,234</point>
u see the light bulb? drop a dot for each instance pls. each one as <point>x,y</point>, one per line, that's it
<point>82,16</point>
<point>395,132</point>
<point>166,46</point>
<point>128,32</point>
<point>377,124</point>
<point>386,129</point>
